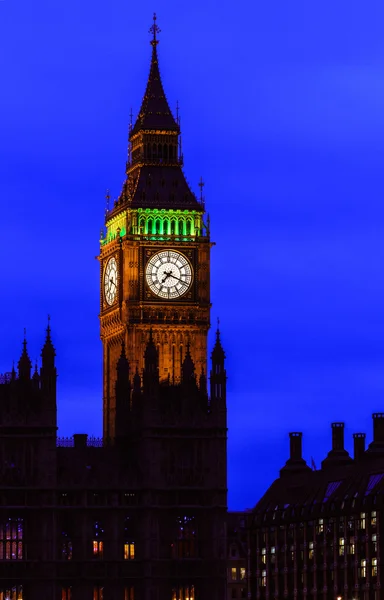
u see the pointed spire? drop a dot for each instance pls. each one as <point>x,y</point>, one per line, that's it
<point>137,382</point>
<point>203,382</point>
<point>48,352</point>
<point>122,364</point>
<point>188,367</point>
<point>24,364</point>
<point>150,354</point>
<point>218,354</point>
<point>154,112</point>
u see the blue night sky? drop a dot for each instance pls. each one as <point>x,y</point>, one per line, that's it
<point>282,114</point>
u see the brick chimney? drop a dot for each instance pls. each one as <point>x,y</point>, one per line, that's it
<point>358,445</point>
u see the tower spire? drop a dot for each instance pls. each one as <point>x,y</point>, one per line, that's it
<point>24,364</point>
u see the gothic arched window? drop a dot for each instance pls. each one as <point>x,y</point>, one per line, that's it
<point>185,544</point>
<point>98,540</point>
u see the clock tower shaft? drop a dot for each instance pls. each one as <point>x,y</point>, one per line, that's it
<point>155,216</point>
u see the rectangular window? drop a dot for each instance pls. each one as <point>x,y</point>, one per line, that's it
<point>66,547</point>
<point>11,539</point>
<point>66,593</point>
<point>184,593</point>
<point>129,550</point>
<point>311,552</point>
<point>292,552</point>
<point>264,555</point>
<point>374,542</point>
<point>362,521</point>
<point>373,518</point>
<point>273,554</point>
<point>242,572</point>
<point>363,568</point>
<point>234,574</point>
<point>129,593</point>
<point>341,546</point>
<point>98,549</point>
<point>320,526</point>
<point>351,546</point>
<point>98,592</point>
<point>374,567</point>
<point>263,581</point>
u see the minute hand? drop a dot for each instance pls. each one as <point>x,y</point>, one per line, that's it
<point>178,278</point>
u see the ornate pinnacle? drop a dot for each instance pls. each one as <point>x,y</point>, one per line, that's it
<point>154,30</point>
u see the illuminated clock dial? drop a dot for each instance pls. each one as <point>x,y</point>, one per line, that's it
<point>168,274</point>
<point>110,281</point>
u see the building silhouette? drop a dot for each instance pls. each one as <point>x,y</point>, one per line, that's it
<point>141,513</point>
<point>318,534</point>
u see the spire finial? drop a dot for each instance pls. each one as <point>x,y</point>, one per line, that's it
<point>107,197</point>
<point>201,186</point>
<point>155,29</point>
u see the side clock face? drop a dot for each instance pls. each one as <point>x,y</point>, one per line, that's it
<point>168,274</point>
<point>110,281</point>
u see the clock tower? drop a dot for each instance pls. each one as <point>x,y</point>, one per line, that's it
<point>155,255</point>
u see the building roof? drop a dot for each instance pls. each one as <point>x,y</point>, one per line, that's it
<point>163,187</point>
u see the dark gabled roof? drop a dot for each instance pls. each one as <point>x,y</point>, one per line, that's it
<point>155,112</point>
<point>316,491</point>
<point>163,187</point>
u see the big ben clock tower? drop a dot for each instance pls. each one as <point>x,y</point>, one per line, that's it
<point>155,254</point>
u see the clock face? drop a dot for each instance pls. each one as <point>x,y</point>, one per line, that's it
<point>110,281</point>
<point>168,274</point>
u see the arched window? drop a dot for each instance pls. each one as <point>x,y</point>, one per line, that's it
<point>185,545</point>
<point>150,226</point>
<point>98,540</point>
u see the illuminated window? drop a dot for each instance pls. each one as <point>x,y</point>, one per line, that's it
<point>362,521</point>
<point>373,518</point>
<point>11,539</point>
<point>98,543</point>
<point>363,568</point>
<point>242,572</point>
<point>98,592</point>
<point>234,573</point>
<point>185,545</point>
<point>311,552</point>
<point>13,593</point>
<point>264,555</point>
<point>374,542</point>
<point>184,593</point>
<point>292,552</point>
<point>129,593</point>
<point>129,550</point>
<point>320,526</point>
<point>341,546</point>
<point>66,593</point>
<point>98,549</point>
<point>374,567</point>
<point>351,546</point>
<point>263,581</point>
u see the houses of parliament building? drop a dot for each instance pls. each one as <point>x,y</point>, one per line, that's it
<point>141,513</point>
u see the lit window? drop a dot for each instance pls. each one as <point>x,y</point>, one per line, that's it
<point>373,518</point>
<point>292,551</point>
<point>129,550</point>
<point>184,593</point>
<point>11,539</point>
<point>242,573</point>
<point>263,581</point>
<point>273,554</point>
<point>234,573</point>
<point>264,555</point>
<point>363,568</point>
<point>66,593</point>
<point>98,549</point>
<point>320,526</point>
<point>311,551</point>
<point>98,593</point>
<point>185,545</point>
<point>351,546</point>
<point>374,567</point>
<point>66,546</point>
<point>374,542</point>
<point>341,546</point>
<point>362,521</point>
<point>129,593</point>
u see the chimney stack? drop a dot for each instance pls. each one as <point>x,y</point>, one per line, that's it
<point>337,436</point>
<point>295,442</point>
<point>378,428</point>
<point>358,445</point>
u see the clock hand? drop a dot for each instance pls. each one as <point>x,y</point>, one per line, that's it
<point>111,281</point>
<point>178,279</point>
